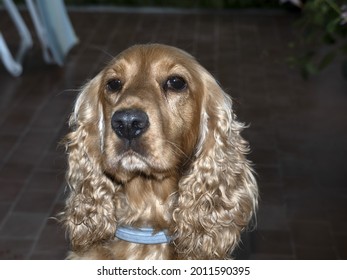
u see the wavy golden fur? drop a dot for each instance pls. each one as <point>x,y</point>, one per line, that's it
<point>185,170</point>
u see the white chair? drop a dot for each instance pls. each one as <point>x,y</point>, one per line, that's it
<point>53,28</point>
<point>14,64</point>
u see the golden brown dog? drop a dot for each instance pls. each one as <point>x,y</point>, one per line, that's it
<point>157,166</point>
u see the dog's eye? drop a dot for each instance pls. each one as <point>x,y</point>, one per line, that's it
<point>175,83</point>
<point>114,85</point>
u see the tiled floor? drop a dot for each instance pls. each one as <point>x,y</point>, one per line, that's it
<point>298,129</point>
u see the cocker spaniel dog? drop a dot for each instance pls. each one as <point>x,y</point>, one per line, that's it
<point>157,166</point>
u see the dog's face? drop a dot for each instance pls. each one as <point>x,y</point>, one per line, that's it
<point>151,99</point>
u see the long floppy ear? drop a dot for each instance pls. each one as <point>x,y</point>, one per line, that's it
<point>218,195</point>
<point>88,215</point>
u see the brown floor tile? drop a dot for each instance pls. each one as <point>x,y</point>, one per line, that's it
<point>311,234</point>
<point>52,233</point>
<point>32,201</point>
<point>315,253</point>
<point>16,171</point>
<point>14,249</point>
<point>268,175</point>
<point>271,195</point>
<point>7,142</point>
<point>10,190</point>
<point>22,225</point>
<point>45,180</point>
<point>264,156</point>
<point>310,207</point>
<point>272,217</point>
<point>4,209</point>
<point>272,242</point>
<point>53,161</point>
<point>341,245</point>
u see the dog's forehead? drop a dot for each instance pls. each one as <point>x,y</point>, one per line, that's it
<point>155,51</point>
<point>152,56</point>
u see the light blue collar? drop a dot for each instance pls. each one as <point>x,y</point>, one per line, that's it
<point>142,235</point>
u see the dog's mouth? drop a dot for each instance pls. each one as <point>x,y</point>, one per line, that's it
<point>132,161</point>
<point>126,166</point>
<point>131,164</point>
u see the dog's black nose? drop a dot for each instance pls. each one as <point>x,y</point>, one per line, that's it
<point>129,123</point>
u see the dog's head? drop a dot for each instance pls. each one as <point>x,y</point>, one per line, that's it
<point>154,111</point>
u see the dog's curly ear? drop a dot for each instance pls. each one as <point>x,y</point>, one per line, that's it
<point>218,195</point>
<point>89,213</point>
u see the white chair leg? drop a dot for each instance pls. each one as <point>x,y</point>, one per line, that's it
<point>40,30</point>
<point>13,65</point>
<point>26,39</point>
<point>53,27</point>
<point>10,63</point>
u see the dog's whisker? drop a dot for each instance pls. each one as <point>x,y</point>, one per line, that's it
<point>66,91</point>
<point>100,49</point>
<point>176,149</point>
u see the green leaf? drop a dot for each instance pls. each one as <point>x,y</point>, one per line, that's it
<point>333,26</point>
<point>326,60</point>
<point>311,68</point>
<point>308,69</point>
